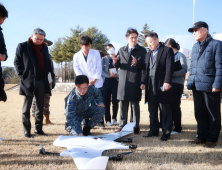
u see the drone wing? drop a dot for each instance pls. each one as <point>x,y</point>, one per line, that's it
<point>127,129</point>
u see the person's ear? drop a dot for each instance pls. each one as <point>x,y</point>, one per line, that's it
<point>31,35</point>
<point>81,45</point>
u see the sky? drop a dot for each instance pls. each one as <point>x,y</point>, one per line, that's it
<point>168,18</point>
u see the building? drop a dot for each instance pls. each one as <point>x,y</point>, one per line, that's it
<point>218,36</point>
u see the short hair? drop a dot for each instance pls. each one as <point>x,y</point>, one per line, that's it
<point>151,34</point>
<point>101,53</point>
<point>3,12</point>
<point>173,43</point>
<point>85,40</point>
<point>110,45</point>
<point>81,79</point>
<point>130,31</point>
<point>39,31</point>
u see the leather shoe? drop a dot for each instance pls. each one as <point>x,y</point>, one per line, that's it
<point>150,134</point>
<point>119,130</point>
<point>136,131</point>
<point>197,141</point>
<point>210,144</point>
<point>27,135</point>
<point>40,132</point>
<point>165,137</point>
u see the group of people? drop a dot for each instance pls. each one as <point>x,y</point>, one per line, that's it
<point>122,77</point>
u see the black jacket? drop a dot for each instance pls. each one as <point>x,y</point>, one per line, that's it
<point>164,73</point>
<point>26,68</point>
<point>129,77</point>
<point>2,51</point>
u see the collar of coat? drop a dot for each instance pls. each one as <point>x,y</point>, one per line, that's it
<point>30,42</point>
<point>1,28</point>
<point>206,41</point>
<point>127,46</point>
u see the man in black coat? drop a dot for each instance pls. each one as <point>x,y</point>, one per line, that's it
<point>156,80</point>
<point>130,61</point>
<point>33,64</point>
<point>3,51</point>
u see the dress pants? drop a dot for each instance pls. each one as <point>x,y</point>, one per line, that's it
<point>124,105</point>
<point>110,87</point>
<point>39,93</point>
<point>165,111</point>
<point>175,106</point>
<point>207,114</point>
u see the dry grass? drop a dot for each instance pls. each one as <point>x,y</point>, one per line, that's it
<point>16,152</point>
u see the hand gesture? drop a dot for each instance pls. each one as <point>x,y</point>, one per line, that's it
<point>134,61</point>
<point>115,59</point>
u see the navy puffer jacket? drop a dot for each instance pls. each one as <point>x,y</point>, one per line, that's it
<point>206,66</point>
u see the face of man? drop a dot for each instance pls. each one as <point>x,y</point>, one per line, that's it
<point>82,88</point>
<point>37,39</point>
<point>200,34</point>
<point>152,43</point>
<point>85,48</point>
<point>132,39</point>
<point>2,20</point>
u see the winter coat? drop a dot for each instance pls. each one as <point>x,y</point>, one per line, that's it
<point>206,66</point>
<point>26,68</point>
<point>163,74</point>
<point>129,77</point>
<point>3,50</point>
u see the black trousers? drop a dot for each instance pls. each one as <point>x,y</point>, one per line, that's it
<point>207,114</point>
<point>165,111</point>
<point>110,87</point>
<point>166,117</point>
<point>124,106</point>
<point>39,93</point>
<point>175,106</point>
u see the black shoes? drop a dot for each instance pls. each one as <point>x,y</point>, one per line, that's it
<point>136,131</point>
<point>27,135</point>
<point>86,130</point>
<point>151,134</point>
<point>40,133</point>
<point>165,137</point>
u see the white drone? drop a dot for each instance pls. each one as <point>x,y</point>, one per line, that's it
<point>86,151</point>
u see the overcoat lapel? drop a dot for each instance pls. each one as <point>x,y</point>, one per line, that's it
<point>126,54</point>
<point>31,54</point>
<point>159,54</point>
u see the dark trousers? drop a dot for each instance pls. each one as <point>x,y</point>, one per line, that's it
<point>166,117</point>
<point>124,105</point>
<point>39,93</point>
<point>110,87</point>
<point>175,106</point>
<point>165,111</point>
<point>207,114</point>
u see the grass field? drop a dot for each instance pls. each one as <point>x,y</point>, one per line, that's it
<point>17,152</point>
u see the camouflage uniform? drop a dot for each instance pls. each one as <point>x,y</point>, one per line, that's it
<point>46,105</point>
<point>79,107</point>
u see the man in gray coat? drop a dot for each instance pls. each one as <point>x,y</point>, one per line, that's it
<point>130,61</point>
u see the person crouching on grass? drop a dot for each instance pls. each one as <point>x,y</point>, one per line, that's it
<point>78,107</point>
